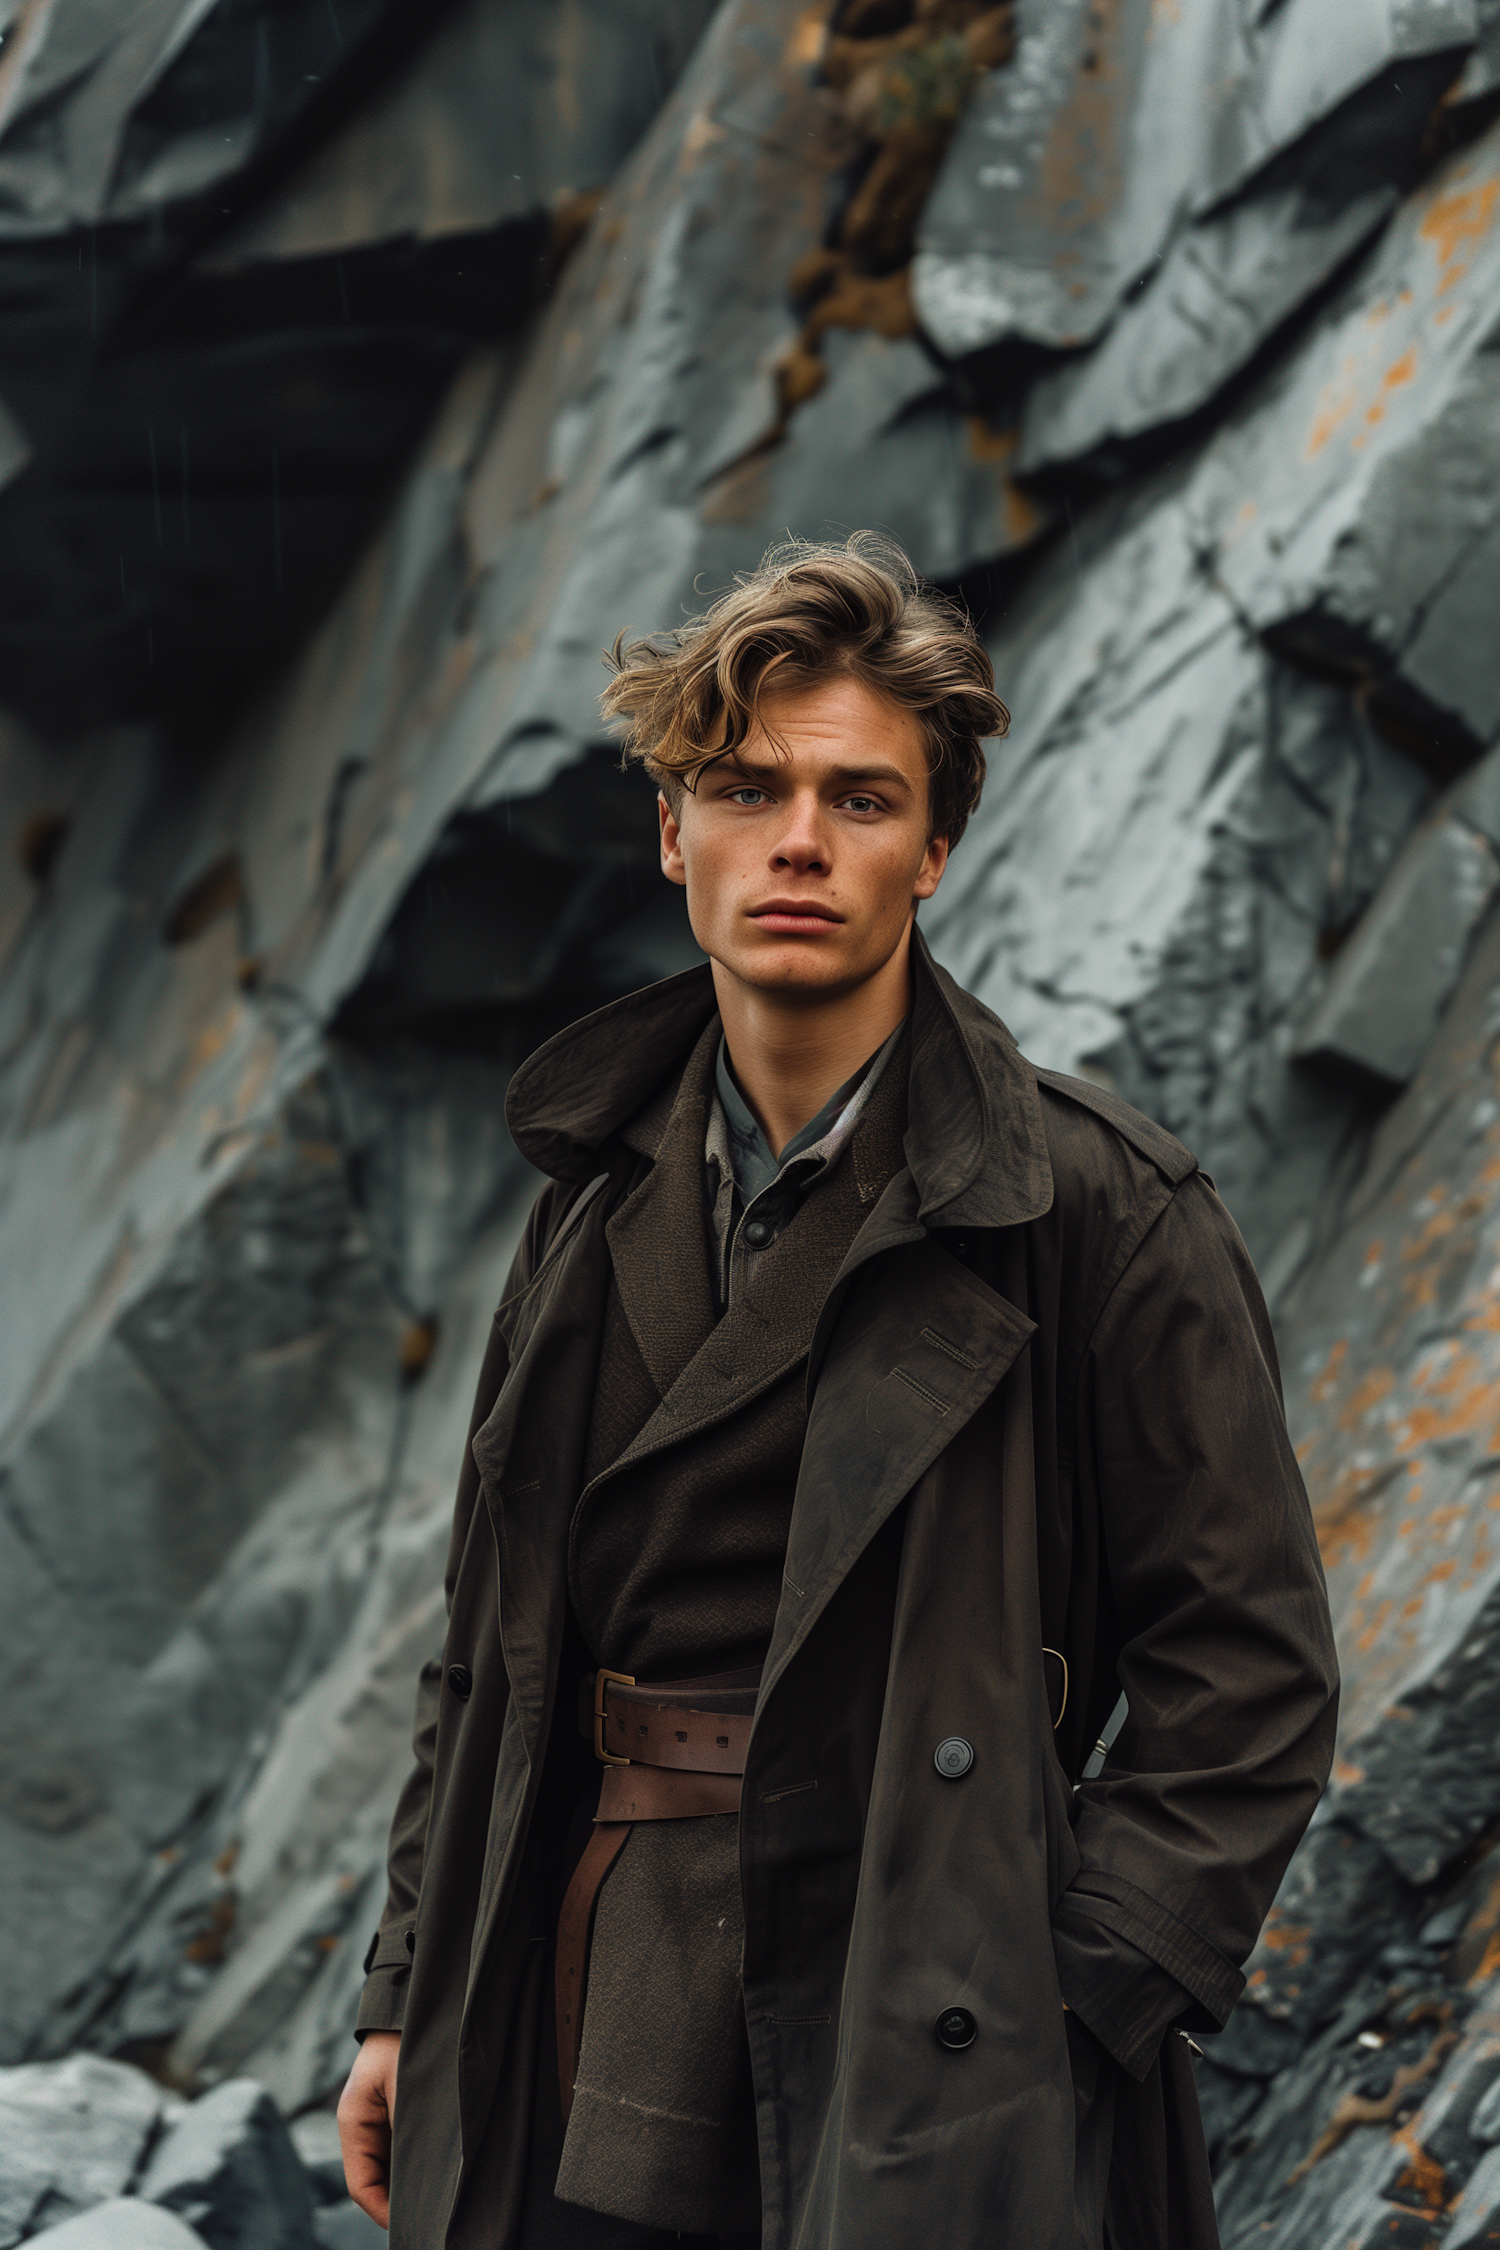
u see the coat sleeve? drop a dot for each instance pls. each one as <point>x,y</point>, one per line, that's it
<point>1226,1646</point>
<point>388,1959</point>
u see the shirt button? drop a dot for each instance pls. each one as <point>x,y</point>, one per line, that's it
<point>953,1758</point>
<point>757,1233</point>
<point>956,2028</point>
<point>461,1680</point>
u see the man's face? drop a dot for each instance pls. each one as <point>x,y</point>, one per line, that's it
<point>802,864</point>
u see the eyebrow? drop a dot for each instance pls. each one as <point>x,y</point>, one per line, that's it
<point>844,776</point>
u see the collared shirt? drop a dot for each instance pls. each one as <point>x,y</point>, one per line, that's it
<point>752,1194</point>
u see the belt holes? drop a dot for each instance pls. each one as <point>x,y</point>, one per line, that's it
<point>681,1736</point>
<point>643,1732</point>
<point>722,1740</point>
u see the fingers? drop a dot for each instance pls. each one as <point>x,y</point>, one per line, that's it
<point>365,2113</point>
<point>367,2167</point>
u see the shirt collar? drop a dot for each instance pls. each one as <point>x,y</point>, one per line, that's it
<point>754,1166</point>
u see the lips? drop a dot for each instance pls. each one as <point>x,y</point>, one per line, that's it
<point>793,914</point>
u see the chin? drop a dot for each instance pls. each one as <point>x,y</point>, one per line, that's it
<point>798,972</point>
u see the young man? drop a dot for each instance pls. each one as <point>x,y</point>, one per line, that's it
<point>865,1409</point>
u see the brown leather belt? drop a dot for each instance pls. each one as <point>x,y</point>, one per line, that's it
<point>670,1752</point>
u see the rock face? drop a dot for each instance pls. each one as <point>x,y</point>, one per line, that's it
<point>1165,338</point>
<point>243,250</point>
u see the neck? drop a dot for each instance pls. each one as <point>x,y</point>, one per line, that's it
<point>792,1051</point>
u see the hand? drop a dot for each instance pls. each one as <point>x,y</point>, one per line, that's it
<point>367,2111</point>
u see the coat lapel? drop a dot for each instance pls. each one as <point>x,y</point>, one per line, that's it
<point>658,1239</point>
<point>769,1328</point>
<point>919,1344</point>
<point>529,1453</point>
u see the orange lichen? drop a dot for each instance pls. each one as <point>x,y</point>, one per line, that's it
<point>1345,1532</point>
<point>1372,1632</point>
<point>1377,1385</point>
<point>1457,221</point>
<point>1404,371</point>
<point>1336,405</point>
<point>1423,2181</point>
<point>1323,1383</point>
<point>901,87</point>
<point>1357,2109</point>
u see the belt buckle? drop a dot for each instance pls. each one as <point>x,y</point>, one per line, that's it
<point>602,1679</point>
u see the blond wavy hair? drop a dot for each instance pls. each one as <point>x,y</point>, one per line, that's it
<point>809,614</point>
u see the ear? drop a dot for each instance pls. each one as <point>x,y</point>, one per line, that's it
<point>930,873</point>
<point>673,865</point>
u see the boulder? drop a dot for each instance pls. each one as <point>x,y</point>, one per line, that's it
<point>228,2167</point>
<point>123,2223</point>
<point>72,2134</point>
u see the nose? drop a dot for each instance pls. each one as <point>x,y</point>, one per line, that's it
<point>802,847</point>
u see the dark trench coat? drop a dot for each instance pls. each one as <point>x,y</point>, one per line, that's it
<point>1044,1413</point>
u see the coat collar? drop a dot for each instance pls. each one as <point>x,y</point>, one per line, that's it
<point>975,1140</point>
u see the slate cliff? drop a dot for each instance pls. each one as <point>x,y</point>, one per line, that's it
<point>1168,339</point>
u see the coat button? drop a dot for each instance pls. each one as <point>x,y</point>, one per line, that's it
<point>757,1233</point>
<point>956,2028</point>
<point>461,1680</point>
<point>953,1758</point>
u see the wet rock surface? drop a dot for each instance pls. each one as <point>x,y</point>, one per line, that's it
<point>1166,339</point>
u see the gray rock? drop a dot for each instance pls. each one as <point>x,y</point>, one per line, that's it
<point>338,203</point>
<point>1476,2216</point>
<point>1220,290</point>
<point>1484,2124</point>
<point>1178,950</point>
<point>1072,169</point>
<point>347,2228</point>
<point>94,80</point>
<point>72,2134</point>
<point>228,2167</point>
<point>1392,980</point>
<point>1340,1887</point>
<point>495,118</point>
<point>1445,2124</point>
<point>123,2224</point>
<point>1481,73</point>
<point>315,2137</point>
<point>1365,459</point>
